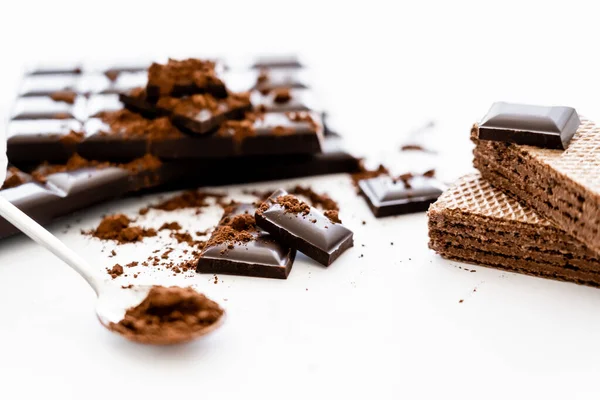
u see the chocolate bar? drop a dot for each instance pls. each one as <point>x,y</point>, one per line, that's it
<point>387,196</point>
<point>321,236</point>
<point>46,127</point>
<point>561,185</point>
<point>52,191</point>
<point>546,127</point>
<point>476,223</point>
<point>239,247</point>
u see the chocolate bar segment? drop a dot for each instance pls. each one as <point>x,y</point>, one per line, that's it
<point>239,247</point>
<point>545,127</point>
<point>51,191</point>
<point>302,227</point>
<point>387,196</point>
<point>477,223</point>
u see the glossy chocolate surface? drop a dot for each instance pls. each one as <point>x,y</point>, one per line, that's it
<point>66,192</point>
<point>547,127</point>
<point>261,257</point>
<point>313,234</point>
<point>387,196</point>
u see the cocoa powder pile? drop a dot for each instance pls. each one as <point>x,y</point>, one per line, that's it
<point>130,125</point>
<point>169,315</point>
<point>200,73</point>
<point>291,204</point>
<point>232,230</point>
<point>118,228</point>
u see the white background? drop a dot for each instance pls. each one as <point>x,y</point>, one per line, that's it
<point>387,325</point>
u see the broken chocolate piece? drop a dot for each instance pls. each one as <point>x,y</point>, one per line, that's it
<point>302,227</point>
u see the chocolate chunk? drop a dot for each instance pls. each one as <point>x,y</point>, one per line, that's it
<point>239,247</point>
<point>546,127</point>
<point>184,77</point>
<point>302,227</point>
<point>408,194</point>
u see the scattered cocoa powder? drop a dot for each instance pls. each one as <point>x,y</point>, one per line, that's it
<point>130,125</point>
<point>61,115</point>
<point>115,271</point>
<point>117,227</point>
<point>280,130</point>
<point>72,138</point>
<point>111,74</point>
<point>173,226</point>
<point>182,73</point>
<point>429,174</point>
<point>14,178</point>
<point>189,199</point>
<point>365,173</point>
<point>263,76</point>
<point>132,264</point>
<point>169,315</point>
<point>76,162</point>
<point>333,216</point>
<point>282,95</point>
<point>316,199</point>
<point>303,116</point>
<point>405,179</point>
<point>290,203</point>
<point>66,96</point>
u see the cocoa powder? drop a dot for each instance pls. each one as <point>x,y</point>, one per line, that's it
<point>66,96</point>
<point>200,73</point>
<point>14,178</point>
<point>76,162</point>
<point>316,199</point>
<point>169,315</point>
<point>189,199</point>
<point>292,204</point>
<point>365,173</point>
<point>333,216</point>
<point>118,228</point>
<point>282,95</point>
<point>130,125</point>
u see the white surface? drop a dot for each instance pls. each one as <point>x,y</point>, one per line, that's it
<point>387,325</point>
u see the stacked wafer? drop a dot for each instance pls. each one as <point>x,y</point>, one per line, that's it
<point>533,209</point>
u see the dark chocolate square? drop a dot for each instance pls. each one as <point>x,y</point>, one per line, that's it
<point>387,196</point>
<point>546,127</point>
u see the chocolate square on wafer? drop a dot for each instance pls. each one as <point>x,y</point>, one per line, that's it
<point>561,185</point>
<point>477,223</point>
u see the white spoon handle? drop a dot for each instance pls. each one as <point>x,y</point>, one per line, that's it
<point>36,232</point>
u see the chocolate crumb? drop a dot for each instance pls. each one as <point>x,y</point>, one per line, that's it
<point>365,173</point>
<point>111,74</point>
<point>66,96</point>
<point>282,95</point>
<point>173,226</point>
<point>429,174</point>
<point>127,287</point>
<point>116,270</point>
<point>333,216</point>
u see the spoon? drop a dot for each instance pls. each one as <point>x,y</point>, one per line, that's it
<point>113,301</point>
